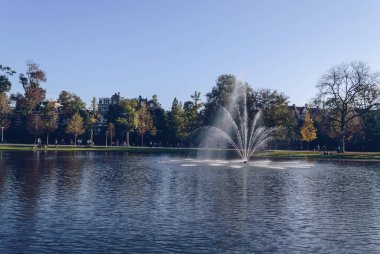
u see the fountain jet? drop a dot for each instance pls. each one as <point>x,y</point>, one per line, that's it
<point>244,137</point>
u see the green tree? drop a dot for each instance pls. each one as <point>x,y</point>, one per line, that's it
<point>145,123</point>
<point>346,92</point>
<point>34,125</point>
<point>50,117</point>
<point>226,89</point>
<point>308,131</point>
<point>178,122</point>
<point>219,96</point>
<point>275,113</point>
<point>160,121</point>
<point>75,126</point>
<point>92,118</point>
<point>5,84</point>
<point>192,109</point>
<point>129,117</point>
<point>111,131</point>
<point>71,104</point>
<point>371,130</point>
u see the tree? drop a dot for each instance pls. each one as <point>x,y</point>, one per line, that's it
<point>33,93</point>
<point>5,84</point>
<point>50,117</point>
<point>34,76</point>
<point>71,104</point>
<point>371,130</point>
<point>145,123</point>
<point>92,118</point>
<point>219,96</point>
<point>222,94</point>
<point>129,117</point>
<point>29,101</point>
<point>160,121</point>
<point>275,113</point>
<point>192,109</point>
<point>346,92</point>
<point>75,126</point>
<point>35,125</point>
<point>177,122</point>
<point>5,110</point>
<point>111,131</point>
<point>308,131</point>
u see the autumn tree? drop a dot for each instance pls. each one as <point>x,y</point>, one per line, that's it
<point>129,117</point>
<point>145,123</point>
<point>5,110</point>
<point>33,93</point>
<point>346,92</point>
<point>308,131</point>
<point>34,76</point>
<point>75,126</point>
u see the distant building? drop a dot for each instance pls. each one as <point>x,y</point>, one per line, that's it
<point>104,104</point>
<point>150,103</point>
<point>299,112</point>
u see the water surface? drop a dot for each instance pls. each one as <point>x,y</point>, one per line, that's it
<point>98,202</point>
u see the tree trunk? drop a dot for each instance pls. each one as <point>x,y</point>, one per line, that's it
<point>47,138</point>
<point>75,139</point>
<point>111,138</point>
<point>127,138</point>
<point>342,131</point>
<point>142,140</point>
<point>91,135</point>
<point>308,145</point>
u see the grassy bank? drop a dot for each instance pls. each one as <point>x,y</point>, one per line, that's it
<point>320,155</point>
<point>174,150</point>
<point>20,147</point>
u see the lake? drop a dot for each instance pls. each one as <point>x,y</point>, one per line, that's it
<point>100,202</point>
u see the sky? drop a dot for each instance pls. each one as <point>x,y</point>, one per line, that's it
<point>175,47</point>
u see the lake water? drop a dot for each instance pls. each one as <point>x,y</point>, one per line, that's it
<point>96,202</point>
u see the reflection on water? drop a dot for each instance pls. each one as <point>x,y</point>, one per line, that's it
<point>54,202</point>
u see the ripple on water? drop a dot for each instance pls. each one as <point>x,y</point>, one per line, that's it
<point>113,203</point>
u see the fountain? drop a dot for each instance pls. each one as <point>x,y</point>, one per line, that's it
<point>245,138</point>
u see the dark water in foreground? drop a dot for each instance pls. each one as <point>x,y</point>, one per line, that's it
<point>118,203</point>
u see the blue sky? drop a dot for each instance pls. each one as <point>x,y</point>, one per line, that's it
<point>172,48</point>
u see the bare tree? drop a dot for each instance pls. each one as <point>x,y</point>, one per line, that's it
<point>346,92</point>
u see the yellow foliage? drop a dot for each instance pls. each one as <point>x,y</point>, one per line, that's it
<point>308,131</point>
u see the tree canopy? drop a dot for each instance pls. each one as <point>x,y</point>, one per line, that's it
<point>346,92</point>
<point>308,131</point>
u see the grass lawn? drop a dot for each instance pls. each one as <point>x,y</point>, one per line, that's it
<point>314,154</point>
<point>24,147</point>
<point>176,150</point>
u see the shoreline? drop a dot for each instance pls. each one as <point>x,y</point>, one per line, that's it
<point>276,154</point>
